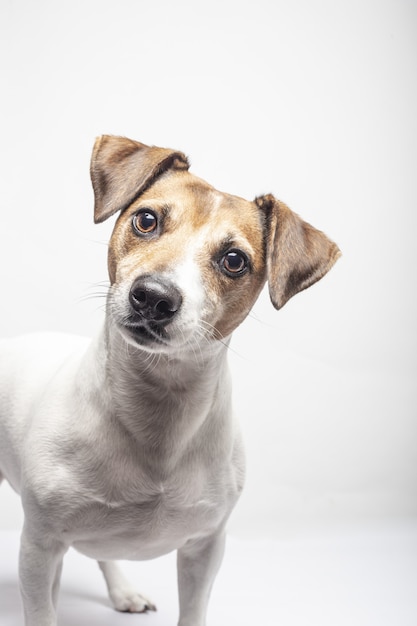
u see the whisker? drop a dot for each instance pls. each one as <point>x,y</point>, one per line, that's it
<point>216,333</point>
<point>219,337</point>
<point>257,319</point>
<point>98,242</point>
<point>101,290</point>
<point>151,362</point>
<point>91,296</point>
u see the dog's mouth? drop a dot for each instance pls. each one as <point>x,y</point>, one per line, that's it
<point>147,333</point>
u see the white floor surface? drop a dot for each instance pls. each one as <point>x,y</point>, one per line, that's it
<point>366,577</point>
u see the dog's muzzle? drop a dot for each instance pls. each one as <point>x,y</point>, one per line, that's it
<point>153,303</point>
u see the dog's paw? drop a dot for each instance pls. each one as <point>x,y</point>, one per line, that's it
<point>129,601</point>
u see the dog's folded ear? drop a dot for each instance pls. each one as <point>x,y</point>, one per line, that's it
<point>298,254</point>
<point>121,169</point>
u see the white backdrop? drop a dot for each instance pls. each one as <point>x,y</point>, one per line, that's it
<point>313,100</point>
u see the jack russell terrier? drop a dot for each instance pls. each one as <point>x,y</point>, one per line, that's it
<point>126,448</point>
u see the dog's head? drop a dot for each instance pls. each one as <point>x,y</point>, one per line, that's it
<point>187,262</point>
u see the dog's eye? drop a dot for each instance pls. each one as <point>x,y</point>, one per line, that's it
<point>144,222</point>
<point>234,263</point>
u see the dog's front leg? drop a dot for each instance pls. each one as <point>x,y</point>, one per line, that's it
<point>40,566</point>
<point>198,563</point>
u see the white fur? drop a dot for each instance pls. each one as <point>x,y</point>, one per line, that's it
<point>121,452</point>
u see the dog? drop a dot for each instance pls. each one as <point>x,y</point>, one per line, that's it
<point>125,447</point>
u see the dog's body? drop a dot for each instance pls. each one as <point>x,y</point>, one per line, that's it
<point>126,448</point>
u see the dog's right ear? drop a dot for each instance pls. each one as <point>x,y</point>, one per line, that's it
<point>121,169</point>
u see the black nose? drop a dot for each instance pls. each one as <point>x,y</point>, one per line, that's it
<point>154,300</point>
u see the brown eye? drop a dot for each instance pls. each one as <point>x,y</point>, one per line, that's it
<point>144,222</point>
<point>234,263</point>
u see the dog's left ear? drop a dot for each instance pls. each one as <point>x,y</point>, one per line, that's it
<point>298,254</point>
<point>121,169</point>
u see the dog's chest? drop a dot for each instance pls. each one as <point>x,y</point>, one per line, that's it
<point>157,518</point>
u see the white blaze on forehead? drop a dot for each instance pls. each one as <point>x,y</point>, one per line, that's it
<point>188,275</point>
<point>218,229</point>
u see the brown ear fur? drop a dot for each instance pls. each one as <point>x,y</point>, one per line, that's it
<point>298,254</point>
<point>121,169</point>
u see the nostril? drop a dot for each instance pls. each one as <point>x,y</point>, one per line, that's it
<point>165,308</point>
<point>138,298</point>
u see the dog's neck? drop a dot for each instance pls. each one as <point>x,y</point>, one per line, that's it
<point>167,402</point>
